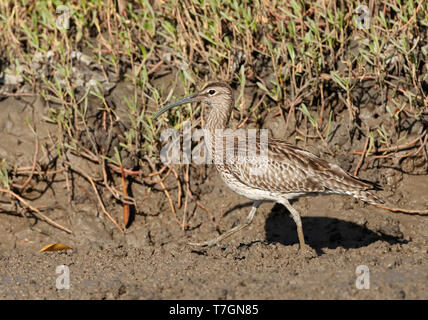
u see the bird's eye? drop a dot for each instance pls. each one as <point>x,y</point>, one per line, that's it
<point>211,92</point>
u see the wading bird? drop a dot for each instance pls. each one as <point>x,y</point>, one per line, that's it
<point>287,173</point>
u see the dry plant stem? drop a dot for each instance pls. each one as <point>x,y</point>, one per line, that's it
<point>155,67</point>
<point>126,211</point>
<point>158,181</point>
<point>183,225</point>
<point>408,154</point>
<point>180,21</point>
<point>67,179</point>
<point>116,194</point>
<point>17,94</point>
<point>157,173</point>
<point>423,144</point>
<point>392,149</point>
<point>400,210</point>
<point>252,112</point>
<point>87,194</point>
<point>127,171</point>
<point>199,204</point>
<point>348,104</point>
<point>90,156</point>
<point>322,105</point>
<point>363,155</point>
<point>178,187</point>
<point>24,171</point>
<point>32,227</point>
<point>35,210</point>
<point>402,90</point>
<point>324,142</point>
<point>189,192</point>
<point>33,168</point>
<point>171,204</point>
<point>196,34</point>
<point>408,22</point>
<point>186,180</point>
<point>91,181</point>
<point>306,136</point>
<point>291,110</point>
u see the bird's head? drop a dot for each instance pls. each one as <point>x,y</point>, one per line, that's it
<point>217,95</point>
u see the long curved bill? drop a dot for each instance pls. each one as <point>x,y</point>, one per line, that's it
<point>179,102</point>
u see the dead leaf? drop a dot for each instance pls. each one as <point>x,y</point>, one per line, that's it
<point>55,247</point>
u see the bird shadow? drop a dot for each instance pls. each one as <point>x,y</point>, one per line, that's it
<point>321,232</point>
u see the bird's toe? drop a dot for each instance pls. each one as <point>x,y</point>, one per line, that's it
<point>307,252</point>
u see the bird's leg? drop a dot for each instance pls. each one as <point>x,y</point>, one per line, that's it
<point>298,221</point>
<point>246,223</point>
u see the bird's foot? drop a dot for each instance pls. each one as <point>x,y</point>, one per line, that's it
<point>206,244</point>
<point>307,252</point>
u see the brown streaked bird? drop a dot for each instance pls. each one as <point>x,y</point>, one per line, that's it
<point>287,173</point>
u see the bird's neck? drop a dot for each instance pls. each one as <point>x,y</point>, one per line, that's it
<point>218,118</point>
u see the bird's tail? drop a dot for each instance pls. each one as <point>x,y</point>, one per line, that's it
<point>367,196</point>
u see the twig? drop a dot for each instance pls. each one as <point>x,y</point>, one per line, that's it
<point>402,90</point>
<point>423,144</point>
<point>171,204</point>
<point>91,181</point>
<point>252,111</point>
<point>392,149</point>
<point>363,155</point>
<point>157,173</point>
<point>90,156</point>
<point>155,67</point>
<point>290,111</point>
<point>35,210</point>
<point>178,186</point>
<point>126,210</point>
<point>116,194</point>
<point>33,167</point>
<point>17,94</point>
<point>322,105</point>
<point>408,211</point>
<point>408,154</point>
<point>23,171</point>
<point>158,181</point>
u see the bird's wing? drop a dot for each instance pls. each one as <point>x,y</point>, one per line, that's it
<point>288,168</point>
